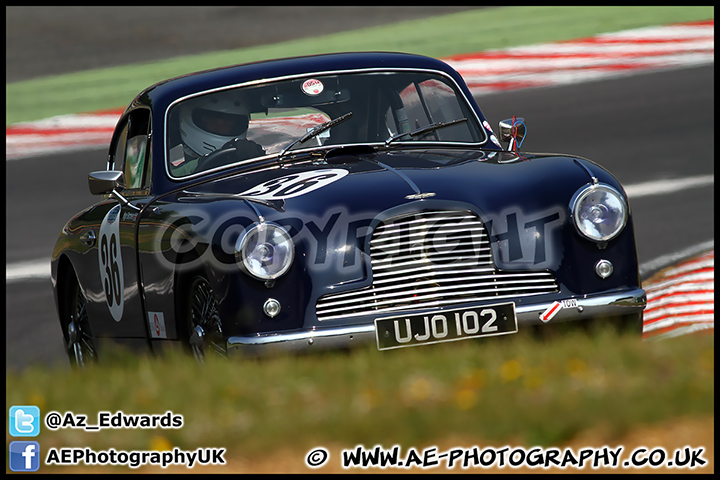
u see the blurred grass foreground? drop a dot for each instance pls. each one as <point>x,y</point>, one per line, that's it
<point>520,388</point>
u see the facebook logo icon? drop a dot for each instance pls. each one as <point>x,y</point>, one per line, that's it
<point>24,421</point>
<point>24,456</point>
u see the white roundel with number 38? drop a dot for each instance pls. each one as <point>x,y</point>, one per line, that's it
<point>294,185</point>
<point>110,261</point>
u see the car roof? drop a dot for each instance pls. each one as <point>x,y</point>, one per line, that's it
<point>159,97</point>
<point>162,94</point>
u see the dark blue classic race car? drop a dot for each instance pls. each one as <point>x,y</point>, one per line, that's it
<point>329,201</point>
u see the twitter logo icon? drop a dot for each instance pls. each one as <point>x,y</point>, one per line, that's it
<point>24,421</point>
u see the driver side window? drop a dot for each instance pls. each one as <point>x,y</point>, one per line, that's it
<point>132,150</point>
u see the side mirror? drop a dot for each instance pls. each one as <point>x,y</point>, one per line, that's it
<point>512,131</point>
<point>109,181</point>
<point>105,181</point>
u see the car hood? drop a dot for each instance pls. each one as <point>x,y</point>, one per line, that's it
<point>331,208</point>
<point>371,183</point>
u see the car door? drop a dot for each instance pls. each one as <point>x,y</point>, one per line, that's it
<point>118,304</point>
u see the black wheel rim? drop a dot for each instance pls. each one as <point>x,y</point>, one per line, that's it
<point>205,327</point>
<point>80,346</point>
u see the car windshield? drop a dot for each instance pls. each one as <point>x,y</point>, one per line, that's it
<point>383,108</point>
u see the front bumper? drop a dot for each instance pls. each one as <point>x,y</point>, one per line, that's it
<point>589,306</point>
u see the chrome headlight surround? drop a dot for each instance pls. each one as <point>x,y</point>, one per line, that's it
<point>265,251</point>
<point>599,212</point>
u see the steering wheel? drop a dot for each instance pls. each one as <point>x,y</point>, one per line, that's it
<point>217,158</point>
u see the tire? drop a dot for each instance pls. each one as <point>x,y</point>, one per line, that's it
<point>75,324</point>
<point>203,326</point>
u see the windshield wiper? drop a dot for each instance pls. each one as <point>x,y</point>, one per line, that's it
<point>315,132</point>
<point>425,129</point>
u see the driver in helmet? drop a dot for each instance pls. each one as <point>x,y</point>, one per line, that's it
<point>208,125</point>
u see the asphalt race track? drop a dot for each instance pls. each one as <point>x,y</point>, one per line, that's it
<point>650,126</point>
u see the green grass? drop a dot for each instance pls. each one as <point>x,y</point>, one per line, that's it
<point>441,36</point>
<point>523,389</point>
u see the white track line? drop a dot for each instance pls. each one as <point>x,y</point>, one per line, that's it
<point>667,260</point>
<point>31,270</point>
<point>663,187</point>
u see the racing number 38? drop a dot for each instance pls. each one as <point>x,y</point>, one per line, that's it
<point>294,185</point>
<point>110,262</point>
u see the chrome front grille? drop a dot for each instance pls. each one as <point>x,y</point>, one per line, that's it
<point>431,259</point>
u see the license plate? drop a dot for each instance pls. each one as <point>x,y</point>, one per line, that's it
<point>445,326</point>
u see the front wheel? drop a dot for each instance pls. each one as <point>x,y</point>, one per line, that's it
<point>75,324</point>
<point>204,327</point>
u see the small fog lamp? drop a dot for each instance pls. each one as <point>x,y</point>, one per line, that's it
<point>271,308</point>
<point>604,268</point>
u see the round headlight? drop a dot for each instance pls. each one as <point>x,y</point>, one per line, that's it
<point>599,212</point>
<point>265,251</point>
